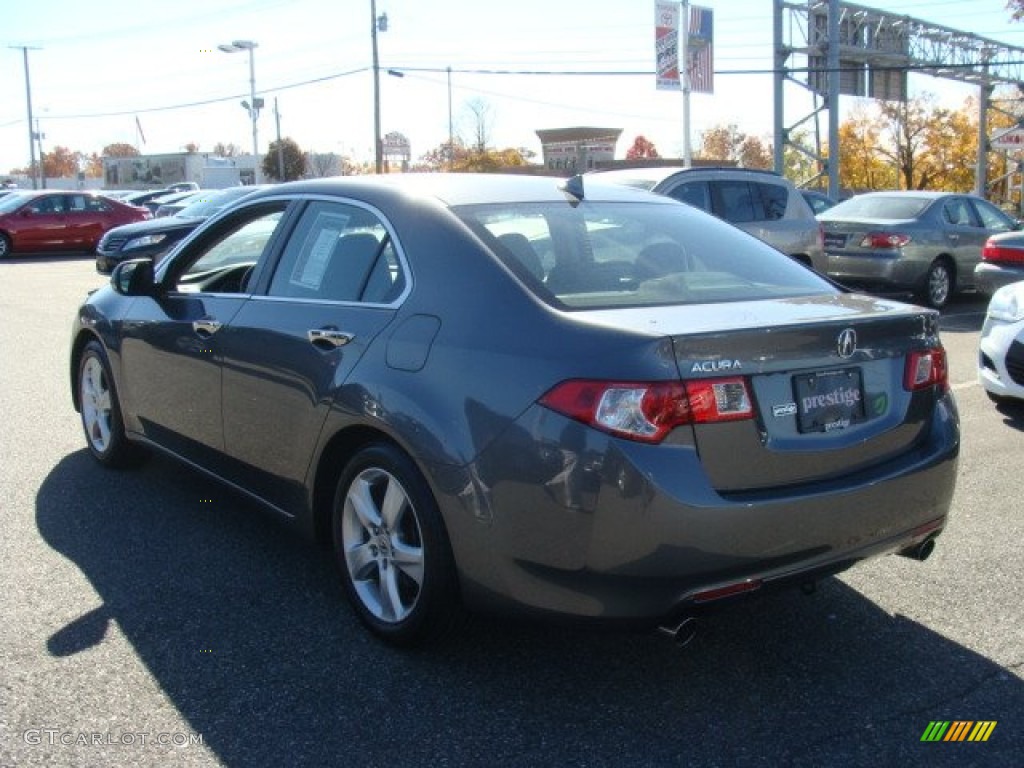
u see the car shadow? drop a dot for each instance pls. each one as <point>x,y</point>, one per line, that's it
<point>247,633</point>
<point>1012,412</point>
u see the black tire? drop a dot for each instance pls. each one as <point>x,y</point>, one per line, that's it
<point>398,573</point>
<point>5,246</point>
<point>101,412</point>
<point>939,284</point>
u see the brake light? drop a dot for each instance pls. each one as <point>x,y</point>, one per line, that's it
<point>647,411</point>
<point>926,368</point>
<point>884,240</point>
<point>1002,254</point>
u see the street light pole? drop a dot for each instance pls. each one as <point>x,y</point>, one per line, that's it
<point>378,149</point>
<point>253,105</point>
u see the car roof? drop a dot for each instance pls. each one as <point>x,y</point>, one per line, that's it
<point>455,189</point>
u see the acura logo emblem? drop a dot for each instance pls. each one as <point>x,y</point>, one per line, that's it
<point>846,343</point>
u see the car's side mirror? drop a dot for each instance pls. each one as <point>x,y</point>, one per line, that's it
<point>134,278</point>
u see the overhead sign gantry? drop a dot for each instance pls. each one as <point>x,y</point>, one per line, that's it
<point>835,48</point>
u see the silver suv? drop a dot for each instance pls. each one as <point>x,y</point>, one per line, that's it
<point>762,203</point>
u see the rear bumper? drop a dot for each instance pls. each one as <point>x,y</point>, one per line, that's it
<point>989,278</point>
<point>621,531</point>
<point>884,271</point>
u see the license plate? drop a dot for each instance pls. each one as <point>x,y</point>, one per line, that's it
<point>829,400</point>
<point>834,240</point>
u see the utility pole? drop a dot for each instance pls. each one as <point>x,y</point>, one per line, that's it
<point>33,170</point>
<point>280,149</point>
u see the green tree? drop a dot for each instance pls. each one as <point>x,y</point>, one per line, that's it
<point>294,161</point>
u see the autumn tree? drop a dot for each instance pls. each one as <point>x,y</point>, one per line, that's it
<point>642,148</point>
<point>725,144</point>
<point>458,157</point>
<point>93,165</point>
<point>192,147</point>
<point>862,164</point>
<point>1016,8</point>
<point>754,153</point>
<point>60,163</point>
<point>294,161</point>
<point>120,150</point>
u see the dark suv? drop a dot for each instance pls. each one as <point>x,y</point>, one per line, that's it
<point>762,203</point>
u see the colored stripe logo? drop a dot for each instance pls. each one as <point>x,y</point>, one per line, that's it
<point>959,730</point>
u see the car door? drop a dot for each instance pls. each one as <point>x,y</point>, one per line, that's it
<point>964,235</point>
<point>43,223</point>
<point>84,221</point>
<point>291,348</point>
<point>171,350</point>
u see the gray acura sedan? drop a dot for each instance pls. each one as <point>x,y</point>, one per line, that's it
<point>521,394</point>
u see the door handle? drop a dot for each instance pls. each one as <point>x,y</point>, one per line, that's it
<point>328,338</point>
<point>953,236</point>
<point>206,327</point>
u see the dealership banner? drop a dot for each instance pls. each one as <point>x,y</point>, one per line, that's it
<point>666,45</point>
<point>700,50</point>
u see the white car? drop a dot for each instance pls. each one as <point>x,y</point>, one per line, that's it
<point>1001,349</point>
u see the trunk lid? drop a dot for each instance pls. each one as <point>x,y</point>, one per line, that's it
<point>825,375</point>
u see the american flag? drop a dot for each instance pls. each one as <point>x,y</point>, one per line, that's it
<point>700,50</point>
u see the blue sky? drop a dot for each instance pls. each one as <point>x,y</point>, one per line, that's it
<point>95,59</point>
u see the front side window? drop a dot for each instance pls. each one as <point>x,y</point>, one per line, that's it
<point>342,253</point>
<point>601,255</point>
<point>224,263</point>
<point>693,193</point>
<point>47,205</point>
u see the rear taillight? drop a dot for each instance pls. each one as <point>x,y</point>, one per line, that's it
<point>1002,254</point>
<point>884,240</point>
<point>647,411</point>
<point>926,368</point>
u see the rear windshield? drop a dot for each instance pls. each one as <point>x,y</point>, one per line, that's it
<point>602,255</point>
<point>885,207</point>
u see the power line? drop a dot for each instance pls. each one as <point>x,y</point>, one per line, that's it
<point>506,73</point>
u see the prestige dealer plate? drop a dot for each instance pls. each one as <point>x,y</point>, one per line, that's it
<point>829,400</point>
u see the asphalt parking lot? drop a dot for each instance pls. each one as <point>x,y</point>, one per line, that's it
<point>152,618</point>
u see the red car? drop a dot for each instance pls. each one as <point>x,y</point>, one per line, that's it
<point>52,220</point>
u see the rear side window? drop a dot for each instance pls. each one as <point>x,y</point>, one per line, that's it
<point>339,253</point>
<point>772,199</point>
<point>601,255</point>
<point>734,201</point>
